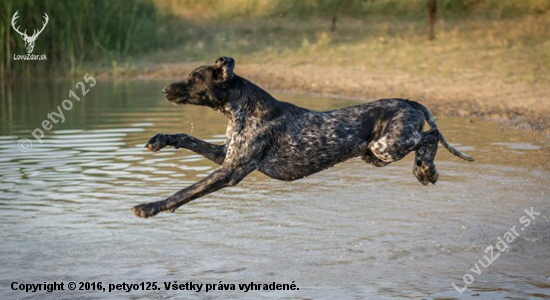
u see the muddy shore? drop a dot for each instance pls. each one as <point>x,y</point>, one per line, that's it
<point>518,104</point>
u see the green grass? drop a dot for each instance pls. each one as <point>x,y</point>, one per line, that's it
<point>81,31</point>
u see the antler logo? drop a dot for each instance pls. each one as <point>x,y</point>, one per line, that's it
<point>29,40</point>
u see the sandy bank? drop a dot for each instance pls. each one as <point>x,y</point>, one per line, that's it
<point>516,103</point>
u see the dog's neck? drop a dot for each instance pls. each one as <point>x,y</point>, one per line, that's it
<point>243,98</point>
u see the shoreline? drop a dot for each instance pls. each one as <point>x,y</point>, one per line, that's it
<point>513,103</point>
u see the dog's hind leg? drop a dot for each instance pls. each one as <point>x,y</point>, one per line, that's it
<point>417,171</point>
<point>215,153</point>
<point>424,168</point>
<point>399,136</point>
<point>396,144</point>
<point>370,158</point>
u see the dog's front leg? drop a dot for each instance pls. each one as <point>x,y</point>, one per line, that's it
<point>215,153</point>
<point>218,179</point>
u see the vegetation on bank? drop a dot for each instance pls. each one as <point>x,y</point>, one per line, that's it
<point>84,34</point>
<point>80,31</point>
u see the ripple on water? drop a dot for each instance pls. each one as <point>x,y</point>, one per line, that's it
<point>64,207</point>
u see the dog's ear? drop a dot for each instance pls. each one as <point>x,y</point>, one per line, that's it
<point>225,68</point>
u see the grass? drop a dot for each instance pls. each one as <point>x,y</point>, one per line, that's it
<point>402,9</point>
<point>512,49</point>
<point>81,31</point>
<point>500,38</point>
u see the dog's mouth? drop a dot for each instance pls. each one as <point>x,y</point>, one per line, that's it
<point>173,100</point>
<point>168,96</point>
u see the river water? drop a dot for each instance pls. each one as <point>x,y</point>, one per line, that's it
<point>352,232</point>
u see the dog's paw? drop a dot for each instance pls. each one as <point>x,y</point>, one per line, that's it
<point>432,175</point>
<point>146,210</point>
<point>158,142</point>
<point>417,171</point>
<point>426,174</point>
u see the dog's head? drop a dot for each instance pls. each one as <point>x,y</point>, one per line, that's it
<point>205,85</point>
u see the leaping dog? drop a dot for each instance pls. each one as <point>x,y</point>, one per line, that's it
<point>288,142</point>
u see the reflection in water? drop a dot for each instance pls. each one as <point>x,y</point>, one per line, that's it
<point>354,231</point>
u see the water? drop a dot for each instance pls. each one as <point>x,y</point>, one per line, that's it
<point>351,232</point>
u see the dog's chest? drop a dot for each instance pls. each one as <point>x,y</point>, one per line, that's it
<point>245,139</point>
<point>243,129</point>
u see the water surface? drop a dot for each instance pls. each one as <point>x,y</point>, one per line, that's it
<point>352,232</point>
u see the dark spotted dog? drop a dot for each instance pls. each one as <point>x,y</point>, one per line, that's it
<point>288,142</point>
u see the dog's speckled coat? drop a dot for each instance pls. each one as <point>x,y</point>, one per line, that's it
<point>288,142</point>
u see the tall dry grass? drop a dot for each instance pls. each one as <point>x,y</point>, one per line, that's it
<point>402,9</point>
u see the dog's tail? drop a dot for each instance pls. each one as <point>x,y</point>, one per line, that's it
<point>431,121</point>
